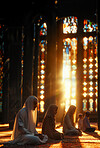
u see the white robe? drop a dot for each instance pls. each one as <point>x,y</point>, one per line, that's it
<point>24,126</point>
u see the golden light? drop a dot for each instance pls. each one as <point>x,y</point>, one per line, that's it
<point>42,49</point>
<point>84,65</point>
<point>42,97</point>
<point>42,66</point>
<point>91,77</point>
<point>73,102</point>
<point>91,94</point>
<point>91,83</point>
<point>41,106</point>
<point>84,83</point>
<point>42,76</point>
<point>90,71</point>
<point>84,60</point>
<point>90,88</point>
<point>84,88</point>
<point>69,68</point>
<point>42,86</point>
<point>84,94</point>
<point>90,65</point>
<point>42,91</point>
<point>90,59</point>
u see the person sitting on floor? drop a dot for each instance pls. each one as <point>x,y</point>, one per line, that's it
<point>48,126</point>
<point>69,125</point>
<point>86,123</point>
<point>24,131</point>
<point>80,121</point>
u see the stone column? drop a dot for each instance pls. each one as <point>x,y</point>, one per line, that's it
<point>35,62</point>
<point>79,73</point>
<point>51,60</point>
<point>28,61</point>
<point>59,87</point>
<point>14,45</point>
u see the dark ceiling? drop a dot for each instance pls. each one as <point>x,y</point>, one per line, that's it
<point>17,10</point>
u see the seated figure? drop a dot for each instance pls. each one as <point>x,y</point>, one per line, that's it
<point>24,131</point>
<point>48,126</point>
<point>80,121</point>
<point>69,125</point>
<point>86,123</point>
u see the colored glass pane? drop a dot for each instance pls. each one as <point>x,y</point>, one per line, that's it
<point>43,29</point>
<point>70,25</point>
<point>69,70</point>
<point>41,73</point>
<point>89,26</point>
<point>90,71</point>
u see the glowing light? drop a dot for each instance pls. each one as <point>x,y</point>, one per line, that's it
<point>41,106</point>
<point>41,68</point>
<point>70,25</point>
<point>90,59</point>
<point>90,65</point>
<point>90,88</point>
<point>91,94</point>
<point>42,92</point>
<point>91,77</point>
<point>73,102</point>
<point>43,49</point>
<point>91,83</point>
<point>84,83</point>
<point>84,94</point>
<point>84,60</point>
<point>69,71</point>
<point>84,88</point>
<point>42,97</point>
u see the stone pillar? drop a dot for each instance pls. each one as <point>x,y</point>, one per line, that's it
<point>79,73</point>
<point>98,34</point>
<point>59,87</point>
<point>36,55</point>
<point>51,61</point>
<point>28,61</point>
<point>14,45</point>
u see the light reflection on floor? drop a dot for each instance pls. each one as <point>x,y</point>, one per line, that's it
<point>5,135</point>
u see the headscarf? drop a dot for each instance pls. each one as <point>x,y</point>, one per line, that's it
<point>71,112</point>
<point>32,114</point>
<point>50,110</point>
<point>29,113</point>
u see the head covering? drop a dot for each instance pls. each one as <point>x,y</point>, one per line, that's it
<point>70,113</point>
<point>32,114</point>
<point>50,110</point>
<point>28,117</point>
<point>71,109</point>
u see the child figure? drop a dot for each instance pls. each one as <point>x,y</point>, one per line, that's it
<point>80,121</point>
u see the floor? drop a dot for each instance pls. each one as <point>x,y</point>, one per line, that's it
<point>87,140</point>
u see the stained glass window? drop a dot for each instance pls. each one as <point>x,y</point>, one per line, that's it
<point>69,70</point>
<point>43,29</point>
<point>41,74</point>
<point>22,59</point>
<point>84,104</point>
<point>89,26</point>
<point>1,63</point>
<point>70,25</point>
<point>90,71</point>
